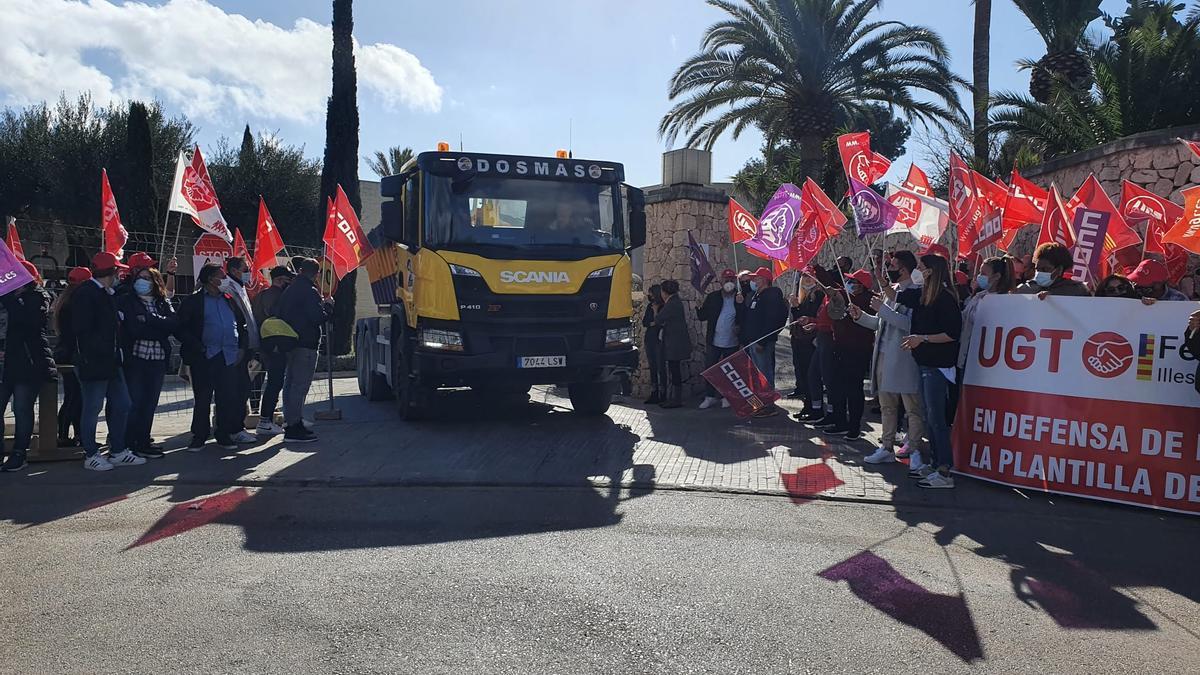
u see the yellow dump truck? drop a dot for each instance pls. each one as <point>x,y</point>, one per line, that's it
<point>497,273</point>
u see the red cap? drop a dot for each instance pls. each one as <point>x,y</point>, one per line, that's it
<point>33,271</point>
<point>861,276</point>
<point>78,275</point>
<point>728,274</point>
<point>960,278</point>
<point>106,261</point>
<point>1148,273</point>
<point>139,260</point>
<point>937,249</point>
<point>765,273</point>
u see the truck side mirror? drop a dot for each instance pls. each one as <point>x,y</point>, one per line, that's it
<point>391,210</point>
<point>636,217</point>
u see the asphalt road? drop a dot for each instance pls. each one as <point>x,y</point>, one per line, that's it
<point>583,580</point>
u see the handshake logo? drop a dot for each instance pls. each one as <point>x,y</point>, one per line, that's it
<point>1107,355</point>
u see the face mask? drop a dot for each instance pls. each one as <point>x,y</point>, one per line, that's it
<point>852,288</point>
<point>753,286</point>
<point>982,281</point>
<point>893,275</point>
<point>142,287</point>
<point>1043,279</point>
<point>728,286</point>
<point>808,284</point>
<point>918,278</point>
<point>245,278</point>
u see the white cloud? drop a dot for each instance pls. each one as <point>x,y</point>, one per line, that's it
<point>194,56</point>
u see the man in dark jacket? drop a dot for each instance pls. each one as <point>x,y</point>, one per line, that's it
<point>766,313</point>
<point>853,346</point>
<point>274,361</point>
<point>94,325</point>
<point>724,311</point>
<point>212,333</point>
<point>25,360</point>
<point>302,308</point>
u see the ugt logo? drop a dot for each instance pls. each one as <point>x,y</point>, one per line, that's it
<point>1107,355</point>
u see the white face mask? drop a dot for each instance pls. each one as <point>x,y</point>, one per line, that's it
<point>728,286</point>
<point>917,278</point>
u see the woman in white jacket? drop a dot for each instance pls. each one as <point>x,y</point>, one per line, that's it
<point>894,373</point>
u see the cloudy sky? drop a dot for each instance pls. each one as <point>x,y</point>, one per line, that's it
<point>517,76</point>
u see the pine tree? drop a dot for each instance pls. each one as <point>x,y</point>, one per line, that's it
<point>341,156</point>
<point>139,201</point>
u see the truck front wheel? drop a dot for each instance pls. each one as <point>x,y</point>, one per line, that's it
<point>413,399</point>
<point>590,398</point>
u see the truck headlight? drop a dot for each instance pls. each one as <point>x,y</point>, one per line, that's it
<point>601,273</point>
<point>459,270</point>
<point>446,340</point>
<point>618,337</point>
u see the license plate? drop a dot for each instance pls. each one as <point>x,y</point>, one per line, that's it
<point>541,362</point>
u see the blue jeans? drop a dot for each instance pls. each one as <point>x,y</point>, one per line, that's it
<point>23,397</point>
<point>145,382</point>
<point>763,356</point>
<point>94,394</point>
<point>935,389</point>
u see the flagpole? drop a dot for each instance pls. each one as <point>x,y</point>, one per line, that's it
<point>178,227</point>
<point>333,413</point>
<point>162,243</point>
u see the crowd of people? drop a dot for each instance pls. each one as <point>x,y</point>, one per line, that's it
<point>116,326</point>
<point>896,327</point>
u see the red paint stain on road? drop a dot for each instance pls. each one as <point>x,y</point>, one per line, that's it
<point>809,481</point>
<point>190,515</point>
<point>103,502</point>
<point>944,618</point>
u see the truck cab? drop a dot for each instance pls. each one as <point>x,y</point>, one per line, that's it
<point>500,272</point>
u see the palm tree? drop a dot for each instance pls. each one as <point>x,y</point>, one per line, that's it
<point>982,54</point>
<point>799,69</point>
<point>1062,25</point>
<point>389,163</point>
<point>1148,39</point>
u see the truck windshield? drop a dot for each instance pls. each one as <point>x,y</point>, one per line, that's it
<point>523,213</point>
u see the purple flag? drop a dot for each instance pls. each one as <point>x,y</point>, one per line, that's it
<point>777,223</point>
<point>872,213</point>
<point>13,274</point>
<point>702,271</point>
<point>1091,227</point>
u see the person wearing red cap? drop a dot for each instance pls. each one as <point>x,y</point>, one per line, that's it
<point>852,347</point>
<point>147,323</point>
<point>1150,281</point>
<point>766,315</point>
<point>25,360</point>
<point>97,359</point>
<point>141,260</point>
<point>723,314</point>
<point>64,352</point>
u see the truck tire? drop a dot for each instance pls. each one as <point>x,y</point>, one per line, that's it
<point>590,398</point>
<point>371,384</point>
<point>413,400</point>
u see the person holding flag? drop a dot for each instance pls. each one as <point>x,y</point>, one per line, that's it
<point>26,361</point>
<point>852,346</point>
<point>723,314</point>
<point>237,278</point>
<point>305,312</point>
<point>766,314</point>
<point>274,359</point>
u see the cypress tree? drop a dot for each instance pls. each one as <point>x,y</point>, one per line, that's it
<point>139,200</point>
<point>341,156</point>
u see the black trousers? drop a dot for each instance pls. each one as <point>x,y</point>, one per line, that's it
<point>72,405</point>
<point>657,364</point>
<point>214,383</point>
<point>821,370</point>
<point>675,372</point>
<point>274,366</point>
<point>848,400</point>
<point>802,355</point>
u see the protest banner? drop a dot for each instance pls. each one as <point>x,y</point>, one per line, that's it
<point>1069,395</point>
<point>742,384</point>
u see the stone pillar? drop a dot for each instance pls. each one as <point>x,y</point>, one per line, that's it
<point>671,212</point>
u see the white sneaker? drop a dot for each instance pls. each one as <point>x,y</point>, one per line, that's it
<point>937,480</point>
<point>708,402</point>
<point>244,437</point>
<point>124,458</point>
<point>880,456</point>
<point>97,462</point>
<point>268,428</point>
<point>309,424</point>
<point>724,403</point>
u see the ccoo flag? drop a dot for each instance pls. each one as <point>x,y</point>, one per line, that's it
<point>741,383</point>
<point>346,245</point>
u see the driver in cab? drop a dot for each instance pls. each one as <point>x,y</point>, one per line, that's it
<point>570,223</point>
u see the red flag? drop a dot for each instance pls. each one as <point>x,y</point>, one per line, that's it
<point>346,245</point>
<point>741,383</point>
<point>742,225</point>
<point>239,246</point>
<point>858,161</point>
<point>1056,226</point>
<point>267,242</point>
<point>1119,234</point>
<point>1193,146</point>
<point>988,215</point>
<point>14,240</point>
<point>814,202</point>
<point>917,181</point>
<point>198,192</point>
<point>1138,204</point>
<point>1186,232</point>
<point>115,234</point>
<point>806,243</point>
<point>1025,203</point>
<point>963,204</point>
<point>1177,263</point>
